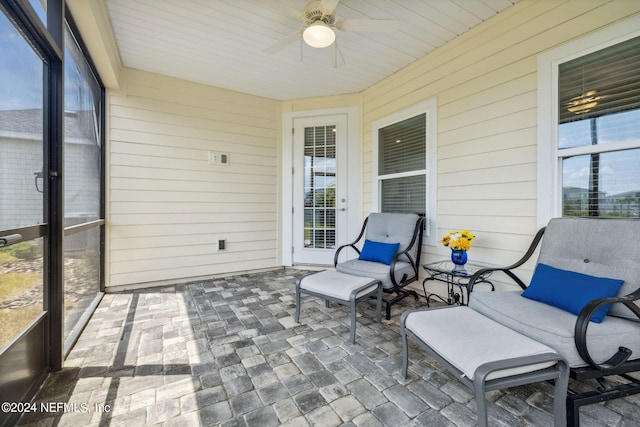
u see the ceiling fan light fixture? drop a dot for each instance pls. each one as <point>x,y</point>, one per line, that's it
<point>319,35</point>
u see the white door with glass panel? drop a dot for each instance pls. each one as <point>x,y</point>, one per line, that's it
<point>319,188</point>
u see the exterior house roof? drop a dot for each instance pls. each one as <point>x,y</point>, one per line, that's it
<point>27,124</point>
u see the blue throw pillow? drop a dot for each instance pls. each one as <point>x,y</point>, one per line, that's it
<point>571,291</point>
<point>378,251</point>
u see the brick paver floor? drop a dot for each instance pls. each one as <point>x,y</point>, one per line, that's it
<point>228,352</point>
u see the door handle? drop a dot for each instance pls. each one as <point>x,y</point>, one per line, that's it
<point>9,240</point>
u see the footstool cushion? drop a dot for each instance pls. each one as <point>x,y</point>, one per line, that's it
<point>453,333</point>
<point>342,288</point>
<point>484,354</point>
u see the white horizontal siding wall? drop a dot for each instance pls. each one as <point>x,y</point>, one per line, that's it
<point>167,205</point>
<point>485,82</point>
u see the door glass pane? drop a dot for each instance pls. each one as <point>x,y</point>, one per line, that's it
<point>21,183</point>
<point>320,187</point>
<point>21,131</point>
<point>82,183</point>
<point>21,278</point>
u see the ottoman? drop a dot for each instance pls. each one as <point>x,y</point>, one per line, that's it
<point>341,288</point>
<point>484,354</point>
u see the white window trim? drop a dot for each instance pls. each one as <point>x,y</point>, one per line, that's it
<point>430,108</point>
<point>549,163</point>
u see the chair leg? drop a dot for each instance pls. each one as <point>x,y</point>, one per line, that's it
<point>481,403</point>
<point>560,409</point>
<point>400,295</point>
<point>573,413</point>
<point>379,302</point>
<point>353,321</point>
<point>297,318</point>
<point>405,350</point>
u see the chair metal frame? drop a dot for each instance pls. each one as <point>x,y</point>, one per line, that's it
<point>398,283</point>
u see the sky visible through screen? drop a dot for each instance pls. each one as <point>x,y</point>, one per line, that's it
<point>21,86</point>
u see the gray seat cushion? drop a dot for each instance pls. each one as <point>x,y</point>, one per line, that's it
<point>376,270</point>
<point>555,327</point>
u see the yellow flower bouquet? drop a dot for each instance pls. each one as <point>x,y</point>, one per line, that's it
<point>458,240</point>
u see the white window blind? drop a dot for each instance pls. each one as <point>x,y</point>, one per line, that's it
<point>402,146</point>
<point>601,83</point>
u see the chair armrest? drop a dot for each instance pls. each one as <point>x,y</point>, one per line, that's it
<point>507,270</point>
<point>582,323</point>
<point>349,245</point>
<point>352,244</point>
<point>415,240</point>
<point>392,268</point>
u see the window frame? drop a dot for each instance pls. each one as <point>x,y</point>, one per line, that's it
<point>549,195</point>
<point>429,108</point>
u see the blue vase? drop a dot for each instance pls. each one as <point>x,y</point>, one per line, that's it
<point>459,259</point>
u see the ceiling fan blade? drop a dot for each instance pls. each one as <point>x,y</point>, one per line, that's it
<point>329,5</point>
<point>291,38</point>
<point>369,25</point>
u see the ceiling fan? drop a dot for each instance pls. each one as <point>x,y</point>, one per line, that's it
<point>319,17</point>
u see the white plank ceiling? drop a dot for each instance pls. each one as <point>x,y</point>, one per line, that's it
<point>222,42</point>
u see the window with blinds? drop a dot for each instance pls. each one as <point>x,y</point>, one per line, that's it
<point>599,132</point>
<point>402,166</point>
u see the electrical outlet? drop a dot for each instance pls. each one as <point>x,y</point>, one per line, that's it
<point>218,158</point>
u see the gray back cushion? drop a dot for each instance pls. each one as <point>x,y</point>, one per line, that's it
<point>597,247</point>
<point>392,228</point>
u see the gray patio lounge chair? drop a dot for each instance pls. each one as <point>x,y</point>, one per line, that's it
<point>583,302</point>
<point>397,267</point>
